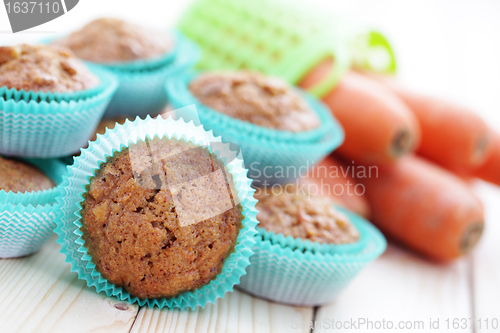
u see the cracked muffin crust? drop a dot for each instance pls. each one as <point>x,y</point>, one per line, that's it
<point>136,225</point>
<point>108,40</point>
<point>17,176</point>
<point>253,97</point>
<point>294,212</point>
<point>43,68</point>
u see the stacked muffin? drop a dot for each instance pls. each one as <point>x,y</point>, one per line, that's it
<point>142,59</point>
<point>45,92</point>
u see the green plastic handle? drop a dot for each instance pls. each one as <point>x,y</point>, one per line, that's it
<point>275,37</point>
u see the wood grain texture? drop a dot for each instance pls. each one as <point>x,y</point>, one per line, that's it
<point>402,287</point>
<point>486,272</point>
<point>40,294</point>
<point>236,312</point>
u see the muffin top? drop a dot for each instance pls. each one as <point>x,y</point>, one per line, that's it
<point>294,212</point>
<point>108,40</point>
<point>17,176</point>
<point>253,97</point>
<point>159,218</point>
<point>43,68</point>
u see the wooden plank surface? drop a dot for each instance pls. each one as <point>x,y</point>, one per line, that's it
<point>486,265</point>
<point>39,294</point>
<point>401,287</point>
<point>237,312</point>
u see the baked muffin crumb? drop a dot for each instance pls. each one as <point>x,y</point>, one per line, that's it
<point>137,229</point>
<point>17,176</point>
<point>43,68</point>
<point>109,40</point>
<point>253,97</point>
<point>293,212</point>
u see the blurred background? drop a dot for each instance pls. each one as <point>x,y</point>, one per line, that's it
<point>447,48</point>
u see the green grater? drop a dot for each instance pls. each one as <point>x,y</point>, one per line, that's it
<point>276,37</point>
<point>285,38</point>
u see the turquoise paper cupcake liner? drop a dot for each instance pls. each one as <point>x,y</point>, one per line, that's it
<point>142,92</point>
<point>179,95</point>
<point>299,276</point>
<point>38,96</point>
<point>51,128</point>
<point>84,167</point>
<point>27,219</point>
<point>68,160</point>
<point>271,161</point>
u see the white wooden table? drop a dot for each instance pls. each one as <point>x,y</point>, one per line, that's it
<point>449,47</point>
<point>40,294</point>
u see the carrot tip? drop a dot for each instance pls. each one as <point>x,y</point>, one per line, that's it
<point>402,143</point>
<point>471,237</point>
<point>480,151</point>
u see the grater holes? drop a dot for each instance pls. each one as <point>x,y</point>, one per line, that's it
<point>260,47</point>
<point>229,59</point>
<point>295,40</point>
<point>229,32</point>
<point>276,56</point>
<point>245,65</point>
<point>245,39</point>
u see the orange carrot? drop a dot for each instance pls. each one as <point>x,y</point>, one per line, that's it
<point>425,208</point>
<point>333,179</point>
<point>379,127</point>
<point>490,170</point>
<point>452,136</point>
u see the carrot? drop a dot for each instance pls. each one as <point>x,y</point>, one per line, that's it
<point>379,128</point>
<point>452,136</point>
<point>490,169</point>
<point>333,179</point>
<point>425,208</point>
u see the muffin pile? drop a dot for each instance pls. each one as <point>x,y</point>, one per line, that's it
<point>160,211</point>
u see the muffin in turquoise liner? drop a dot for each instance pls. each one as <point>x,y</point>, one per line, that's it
<point>141,91</point>
<point>48,125</point>
<point>295,273</point>
<point>84,167</point>
<point>265,148</point>
<point>27,219</point>
<point>179,95</point>
<point>152,63</point>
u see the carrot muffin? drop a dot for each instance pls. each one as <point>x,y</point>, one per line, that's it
<point>253,97</point>
<point>147,223</point>
<point>108,40</point>
<point>294,212</point>
<point>43,68</point>
<point>17,176</point>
